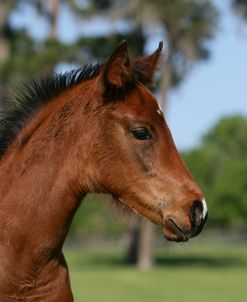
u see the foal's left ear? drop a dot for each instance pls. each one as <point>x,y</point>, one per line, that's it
<point>145,67</point>
<point>117,71</point>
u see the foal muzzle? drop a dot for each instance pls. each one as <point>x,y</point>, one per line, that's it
<point>181,227</point>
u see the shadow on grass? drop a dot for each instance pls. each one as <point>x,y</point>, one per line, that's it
<point>199,261</point>
<point>96,260</point>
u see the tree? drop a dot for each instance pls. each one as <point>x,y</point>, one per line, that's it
<point>186,25</point>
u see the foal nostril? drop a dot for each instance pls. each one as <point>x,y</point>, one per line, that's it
<point>196,214</point>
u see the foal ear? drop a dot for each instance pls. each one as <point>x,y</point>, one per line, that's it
<point>117,70</point>
<point>146,66</point>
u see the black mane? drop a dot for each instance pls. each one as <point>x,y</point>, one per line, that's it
<point>31,97</point>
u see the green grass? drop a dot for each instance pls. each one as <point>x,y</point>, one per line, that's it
<point>187,273</point>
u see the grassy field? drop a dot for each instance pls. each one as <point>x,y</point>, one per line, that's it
<point>183,273</point>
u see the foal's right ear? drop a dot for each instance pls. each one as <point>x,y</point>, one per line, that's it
<point>117,70</point>
<point>146,66</point>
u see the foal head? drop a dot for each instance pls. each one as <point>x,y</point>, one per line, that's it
<point>134,156</point>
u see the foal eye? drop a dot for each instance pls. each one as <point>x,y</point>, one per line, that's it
<point>141,134</point>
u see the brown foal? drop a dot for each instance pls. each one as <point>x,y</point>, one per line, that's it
<point>96,129</point>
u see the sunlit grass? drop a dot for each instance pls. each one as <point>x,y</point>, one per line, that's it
<point>201,274</point>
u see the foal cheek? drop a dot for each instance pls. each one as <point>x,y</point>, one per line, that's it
<point>144,156</point>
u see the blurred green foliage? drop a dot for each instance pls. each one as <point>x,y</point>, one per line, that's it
<point>96,218</point>
<point>187,26</point>
<point>219,164</point>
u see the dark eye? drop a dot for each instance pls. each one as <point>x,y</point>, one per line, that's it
<point>141,134</point>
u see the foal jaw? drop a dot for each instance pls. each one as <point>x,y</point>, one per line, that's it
<point>151,214</point>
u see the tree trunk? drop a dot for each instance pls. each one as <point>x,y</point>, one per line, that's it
<point>133,233</point>
<point>53,17</point>
<point>165,84</point>
<point>145,258</point>
<point>5,8</point>
<point>140,245</point>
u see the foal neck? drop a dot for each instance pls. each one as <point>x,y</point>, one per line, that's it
<point>39,194</point>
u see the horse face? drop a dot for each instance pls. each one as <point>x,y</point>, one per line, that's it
<point>141,166</point>
<point>147,172</point>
